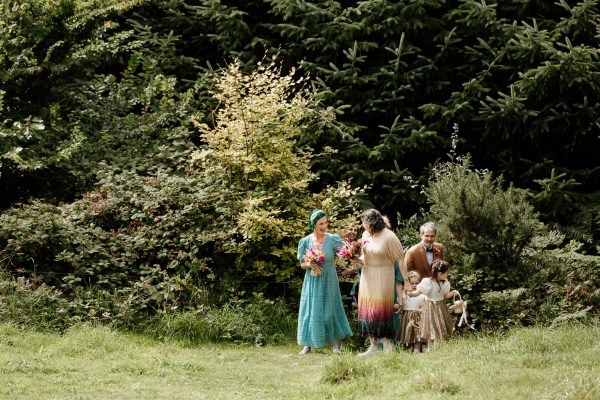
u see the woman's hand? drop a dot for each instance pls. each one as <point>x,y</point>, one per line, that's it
<point>308,265</point>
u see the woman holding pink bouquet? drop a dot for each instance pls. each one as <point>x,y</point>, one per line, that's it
<point>381,248</point>
<point>321,319</point>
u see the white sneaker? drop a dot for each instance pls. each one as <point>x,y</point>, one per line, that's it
<point>337,347</point>
<point>305,350</point>
<point>370,351</point>
<point>387,345</point>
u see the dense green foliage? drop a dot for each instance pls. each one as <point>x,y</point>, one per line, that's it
<point>232,210</point>
<point>521,80</point>
<point>509,266</point>
<point>154,149</point>
<point>485,230</point>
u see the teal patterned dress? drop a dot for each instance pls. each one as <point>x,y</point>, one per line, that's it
<point>321,318</point>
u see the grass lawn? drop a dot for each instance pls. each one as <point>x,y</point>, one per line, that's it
<point>99,363</point>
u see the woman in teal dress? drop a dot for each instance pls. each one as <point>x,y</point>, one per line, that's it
<point>321,319</point>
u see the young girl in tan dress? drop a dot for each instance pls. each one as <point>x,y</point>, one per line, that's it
<point>436,322</point>
<point>408,329</point>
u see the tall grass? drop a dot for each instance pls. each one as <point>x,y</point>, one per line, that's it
<point>96,362</point>
<point>255,320</point>
<point>258,321</point>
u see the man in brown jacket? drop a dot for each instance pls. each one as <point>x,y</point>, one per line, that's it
<point>420,256</point>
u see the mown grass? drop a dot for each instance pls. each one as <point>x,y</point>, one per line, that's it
<point>99,363</point>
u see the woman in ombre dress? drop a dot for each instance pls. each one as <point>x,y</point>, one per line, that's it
<point>380,249</point>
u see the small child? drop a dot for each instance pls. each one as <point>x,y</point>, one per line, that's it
<point>408,330</point>
<point>436,322</point>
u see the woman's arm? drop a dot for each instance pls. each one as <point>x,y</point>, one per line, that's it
<point>348,272</point>
<point>301,250</point>
<point>399,291</point>
<point>337,242</point>
<point>396,253</point>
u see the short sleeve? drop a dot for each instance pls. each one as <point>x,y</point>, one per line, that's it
<point>302,246</point>
<point>446,287</point>
<point>396,252</point>
<point>425,286</point>
<point>394,247</point>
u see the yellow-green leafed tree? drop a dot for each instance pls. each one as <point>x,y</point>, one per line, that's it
<point>252,159</point>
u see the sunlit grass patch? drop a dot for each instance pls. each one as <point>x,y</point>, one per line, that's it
<point>342,369</point>
<point>437,383</point>
<point>580,388</point>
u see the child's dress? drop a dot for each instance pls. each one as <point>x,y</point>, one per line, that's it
<point>408,330</point>
<point>436,321</point>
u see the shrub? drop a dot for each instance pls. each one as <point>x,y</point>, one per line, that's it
<point>507,264</point>
<point>32,305</point>
<point>564,284</point>
<point>485,230</point>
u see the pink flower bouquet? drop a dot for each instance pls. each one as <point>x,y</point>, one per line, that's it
<point>317,256</point>
<point>350,251</point>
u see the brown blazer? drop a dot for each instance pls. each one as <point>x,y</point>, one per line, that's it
<point>416,260</point>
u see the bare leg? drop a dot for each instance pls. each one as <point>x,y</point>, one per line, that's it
<point>417,347</point>
<point>430,344</point>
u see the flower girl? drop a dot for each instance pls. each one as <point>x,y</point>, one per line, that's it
<point>436,322</point>
<point>408,330</point>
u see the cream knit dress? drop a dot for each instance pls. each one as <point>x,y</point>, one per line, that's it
<point>376,290</point>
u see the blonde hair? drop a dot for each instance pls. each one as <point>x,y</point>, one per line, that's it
<point>413,274</point>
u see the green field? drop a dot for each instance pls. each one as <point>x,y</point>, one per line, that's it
<point>99,363</point>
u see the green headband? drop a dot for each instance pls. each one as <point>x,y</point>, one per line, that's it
<point>315,215</point>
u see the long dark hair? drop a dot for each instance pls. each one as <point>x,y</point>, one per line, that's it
<point>373,219</point>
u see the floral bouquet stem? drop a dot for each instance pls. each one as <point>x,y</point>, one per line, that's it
<point>315,256</point>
